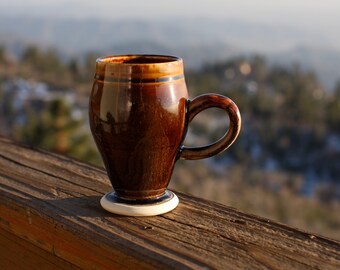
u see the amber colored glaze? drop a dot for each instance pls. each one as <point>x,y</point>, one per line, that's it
<point>139,112</point>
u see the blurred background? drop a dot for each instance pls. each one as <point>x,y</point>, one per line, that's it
<point>278,60</point>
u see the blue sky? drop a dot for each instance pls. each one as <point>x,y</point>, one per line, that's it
<point>308,14</point>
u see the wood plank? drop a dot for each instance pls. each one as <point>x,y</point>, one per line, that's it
<point>51,203</point>
<point>17,253</point>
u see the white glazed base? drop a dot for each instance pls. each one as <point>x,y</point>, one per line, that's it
<point>139,210</point>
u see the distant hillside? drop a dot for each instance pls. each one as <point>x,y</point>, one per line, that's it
<point>325,62</point>
<point>197,41</point>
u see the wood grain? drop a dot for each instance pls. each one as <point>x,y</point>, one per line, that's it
<point>50,217</point>
<point>17,252</point>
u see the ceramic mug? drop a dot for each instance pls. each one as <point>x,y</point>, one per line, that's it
<point>139,114</point>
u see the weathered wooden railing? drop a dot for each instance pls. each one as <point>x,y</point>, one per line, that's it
<point>50,218</point>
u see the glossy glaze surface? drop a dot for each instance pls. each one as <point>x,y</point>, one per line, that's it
<point>138,125</point>
<point>204,102</point>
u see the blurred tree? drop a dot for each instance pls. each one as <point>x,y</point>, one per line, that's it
<point>43,61</point>
<point>2,54</point>
<point>46,66</point>
<point>303,98</point>
<point>51,62</point>
<point>53,128</point>
<point>199,83</point>
<point>31,55</point>
<point>74,69</point>
<point>333,110</point>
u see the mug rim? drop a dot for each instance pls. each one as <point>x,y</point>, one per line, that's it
<point>138,59</point>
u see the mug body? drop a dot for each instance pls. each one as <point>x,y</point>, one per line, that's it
<point>138,120</point>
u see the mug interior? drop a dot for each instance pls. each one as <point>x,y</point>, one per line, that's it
<point>139,59</point>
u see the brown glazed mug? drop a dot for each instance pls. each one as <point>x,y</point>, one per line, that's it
<point>139,115</point>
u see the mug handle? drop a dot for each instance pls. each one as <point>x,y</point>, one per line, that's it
<point>201,103</point>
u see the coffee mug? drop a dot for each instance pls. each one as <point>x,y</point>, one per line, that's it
<point>139,114</point>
